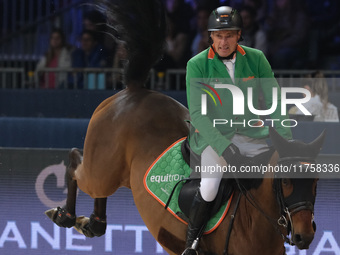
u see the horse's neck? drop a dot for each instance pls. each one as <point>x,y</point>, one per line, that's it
<point>259,218</point>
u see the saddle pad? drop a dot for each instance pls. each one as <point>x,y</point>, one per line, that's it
<point>162,176</point>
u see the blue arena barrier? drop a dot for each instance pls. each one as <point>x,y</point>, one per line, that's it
<point>42,132</point>
<point>59,103</point>
<point>68,133</point>
<point>51,103</point>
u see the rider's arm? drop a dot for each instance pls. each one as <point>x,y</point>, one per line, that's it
<point>202,123</point>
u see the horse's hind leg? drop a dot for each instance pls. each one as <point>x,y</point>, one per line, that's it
<point>96,224</point>
<point>66,216</point>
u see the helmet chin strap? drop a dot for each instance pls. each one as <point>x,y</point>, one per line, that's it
<point>231,56</point>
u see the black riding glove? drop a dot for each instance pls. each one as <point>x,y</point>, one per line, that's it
<point>233,156</point>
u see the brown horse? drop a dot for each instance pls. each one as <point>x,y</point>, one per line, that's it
<point>129,130</point>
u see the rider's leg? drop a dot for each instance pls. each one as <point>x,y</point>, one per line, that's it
<point>211,175</point>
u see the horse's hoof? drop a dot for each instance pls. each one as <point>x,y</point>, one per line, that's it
<point>51,213</point>
<point>81,221</point>
<point>82,226</point>
<point>90,227</point>
<point>61,217</point>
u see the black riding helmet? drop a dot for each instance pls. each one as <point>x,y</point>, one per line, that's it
<point>225,18</point>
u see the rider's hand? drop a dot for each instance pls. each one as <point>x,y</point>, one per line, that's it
<point>233,156</point>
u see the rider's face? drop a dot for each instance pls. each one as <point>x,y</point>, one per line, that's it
<point>225,41</point>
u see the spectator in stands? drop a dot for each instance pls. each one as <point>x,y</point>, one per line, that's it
<point>318,105</point>
<point>90,54</point>
<point>287,30</point>
<point>201,38</point>
<point>58,55</point>
<point>177,43</point>
<point>329,46</point>
<point>206,4</point>
<point>96,21</point>
<point>253,35</point>
<point>236,4</point>
<point>325,23</point>
<point>260,6</point>
<point>179,15</point>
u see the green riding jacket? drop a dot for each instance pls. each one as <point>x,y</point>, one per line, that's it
<point>250,65</point>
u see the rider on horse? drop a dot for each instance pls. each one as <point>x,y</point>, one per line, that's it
<point>225,144</point>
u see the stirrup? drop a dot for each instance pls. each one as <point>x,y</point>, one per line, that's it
<point>192,250</point>
<point>189,251</point>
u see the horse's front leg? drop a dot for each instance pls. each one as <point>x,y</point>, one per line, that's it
<point>66,216</point>
<point>96,224</point>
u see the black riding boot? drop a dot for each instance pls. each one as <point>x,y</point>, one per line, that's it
<point>198,218</point>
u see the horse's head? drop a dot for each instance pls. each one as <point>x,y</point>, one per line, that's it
<point>296,196</point>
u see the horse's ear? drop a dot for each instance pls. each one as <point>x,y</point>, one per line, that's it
<point>316,145</point>
<point>287,148</point>
<point>276,138</point>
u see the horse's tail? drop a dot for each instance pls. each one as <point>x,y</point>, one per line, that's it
<point>141,26</point>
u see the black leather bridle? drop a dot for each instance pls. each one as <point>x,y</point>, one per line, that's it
<point>295,202</point>
<point>301,198</point>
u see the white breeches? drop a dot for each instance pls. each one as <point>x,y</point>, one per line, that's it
<point>210,180</point>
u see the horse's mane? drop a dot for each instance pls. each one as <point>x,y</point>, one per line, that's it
<point>141,27</point>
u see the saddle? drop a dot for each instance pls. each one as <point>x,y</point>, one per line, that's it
<point>226,188</point>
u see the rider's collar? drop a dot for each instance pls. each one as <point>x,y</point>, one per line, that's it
<point>230,57</point>
<point>212,53</point>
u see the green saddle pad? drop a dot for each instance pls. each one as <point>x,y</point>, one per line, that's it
<point>162,176</point>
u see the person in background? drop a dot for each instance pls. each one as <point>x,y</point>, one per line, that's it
<point>177,44</point>
<point>179,14</point>
<point>58,55</point>
<point>96,21</point>
<point>177,50</point>
<point>318,105</point>
<point>201,38</point>
<point>261,8</point>
<point>90,54</point>
<point>325,34</point>
<point>253,35</point>
<point>287,32</point>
